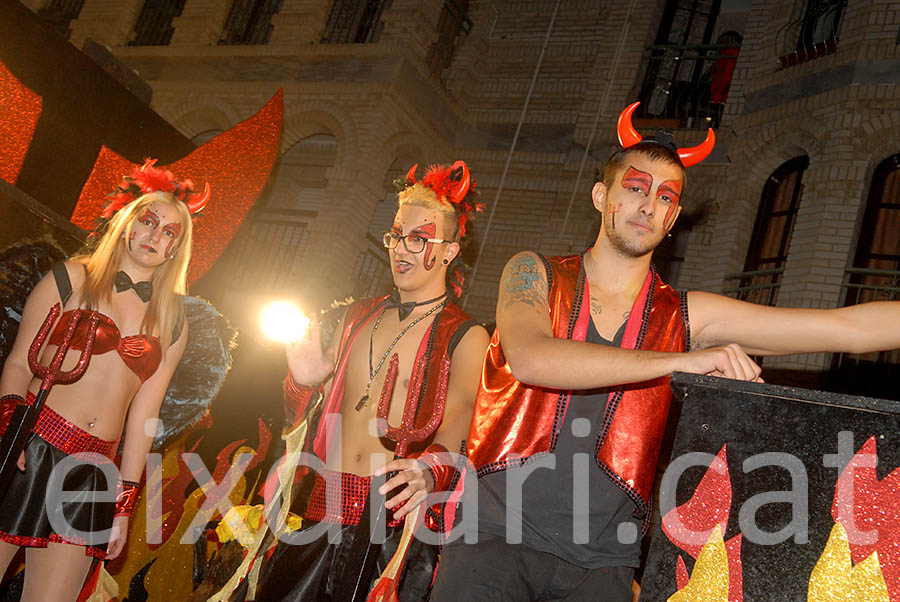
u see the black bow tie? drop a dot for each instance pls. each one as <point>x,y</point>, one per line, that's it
<point>404,309</point>
<point>144,290</point>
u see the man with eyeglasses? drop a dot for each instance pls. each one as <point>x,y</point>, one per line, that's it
<point>414,348</point>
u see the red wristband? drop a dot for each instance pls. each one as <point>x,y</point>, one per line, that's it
<point>298,397</point>
<point>438,460</point>
<point>126,497</point>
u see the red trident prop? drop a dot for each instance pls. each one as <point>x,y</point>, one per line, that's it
<point>361,562</point>
<point>24,417</point>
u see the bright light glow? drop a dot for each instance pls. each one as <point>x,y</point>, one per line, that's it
<point>283,321</point>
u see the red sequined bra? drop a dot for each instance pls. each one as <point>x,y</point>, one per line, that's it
<point>141,353</point>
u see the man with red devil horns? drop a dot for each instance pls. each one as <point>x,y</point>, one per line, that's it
<point>574,398</point>
<point>412,353</point>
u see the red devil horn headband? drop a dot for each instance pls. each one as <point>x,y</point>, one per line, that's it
<point>439,181</point>
<point>628,136</point>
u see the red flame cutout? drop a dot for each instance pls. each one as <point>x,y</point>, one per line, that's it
<point>875,510</point>
<point>21,109</point>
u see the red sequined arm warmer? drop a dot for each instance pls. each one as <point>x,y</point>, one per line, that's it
<point>440,463</point>
<point>126,497</point>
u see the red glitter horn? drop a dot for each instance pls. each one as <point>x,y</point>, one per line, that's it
<point>628,136</point>
<point>196,203</point>
<point>462,188</point>
<point>411,175</point>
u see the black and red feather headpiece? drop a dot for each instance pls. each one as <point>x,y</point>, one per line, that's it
<point>148,178</point>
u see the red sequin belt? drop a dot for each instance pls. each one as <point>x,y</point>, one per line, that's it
<point>339,497</point>
<point>66,436</point>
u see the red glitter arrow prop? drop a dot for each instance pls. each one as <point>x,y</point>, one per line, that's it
<point>236,165</point>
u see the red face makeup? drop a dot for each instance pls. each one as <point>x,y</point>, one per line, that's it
<point>152,223</point>
<point>635,178</point>
<point>172,232</point>
<point>428,230</point>
<point>672,190</point>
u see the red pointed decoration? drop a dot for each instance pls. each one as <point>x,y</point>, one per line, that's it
<point>875,510</point>
<point>20,109</point>
<point>235,164</point>
<point>689,526</point>
<point>628,136</point>
<point>411,175</point>
<point>459,192</point>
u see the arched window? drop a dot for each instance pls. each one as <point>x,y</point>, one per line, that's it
<point>875,276</point>
<point>771,238</point>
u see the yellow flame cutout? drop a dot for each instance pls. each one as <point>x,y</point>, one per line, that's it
<point>709,581</point>
<point>835,579</point>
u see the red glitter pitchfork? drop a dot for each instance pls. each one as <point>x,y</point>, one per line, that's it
<point>25,416</point>
<point>354,584</point>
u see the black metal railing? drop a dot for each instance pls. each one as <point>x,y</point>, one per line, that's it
<point>354,22</point>
<point>373,273</point>
<point>686,86</point>
<point>812,31</point>
<point>266,255</point>
<point>759,286</point>
<point>59,13</point>
<point>249,22</point>
<point>154,24</point>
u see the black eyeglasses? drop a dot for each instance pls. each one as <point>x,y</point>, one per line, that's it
<point>414,243</point>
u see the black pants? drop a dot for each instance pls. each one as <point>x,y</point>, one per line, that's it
<point>494,570</point>
<point>310,572</point>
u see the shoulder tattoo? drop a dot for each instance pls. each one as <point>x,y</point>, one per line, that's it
<point>523,283</point>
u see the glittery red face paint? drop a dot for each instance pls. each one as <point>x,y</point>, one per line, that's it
<point>428,230</point>
<point>172,232</point>
<point>636,179</point>
<point>671,190</point>
<point>148,218</point>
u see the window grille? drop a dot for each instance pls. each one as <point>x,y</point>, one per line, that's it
<point>249,22</point>
<point>60,13</point>
<point>154,24</point>
<point>687,73</point>
<point>354,22</point>
<point>812,31</point>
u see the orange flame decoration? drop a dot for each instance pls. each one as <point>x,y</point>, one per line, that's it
<point>21,109</point>
<point>874,507</point>
<point>691,525</point>
<point>236,165</point>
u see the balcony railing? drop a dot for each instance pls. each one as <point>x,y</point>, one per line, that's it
<point>373,274</point>
<point>760,286</point>
<point>686,85</point>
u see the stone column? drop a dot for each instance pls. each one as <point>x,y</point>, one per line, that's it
<point>107,22</point>
<point>300,22</point>
<point>201,22</point>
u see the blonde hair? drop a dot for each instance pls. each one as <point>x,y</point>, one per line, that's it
<point>165,311</point>
<point>419,195</point>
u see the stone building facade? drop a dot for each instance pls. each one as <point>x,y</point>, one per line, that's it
<point>527,92</point>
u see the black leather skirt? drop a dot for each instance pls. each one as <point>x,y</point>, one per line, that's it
<point>65,505</point>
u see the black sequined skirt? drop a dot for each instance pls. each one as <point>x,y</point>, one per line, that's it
<point>66,505</point>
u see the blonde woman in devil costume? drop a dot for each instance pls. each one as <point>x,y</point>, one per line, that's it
<point>133,279</point>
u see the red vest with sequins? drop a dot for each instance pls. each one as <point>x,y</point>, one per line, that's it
<point>428,379</point>
<point>514,421</point>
